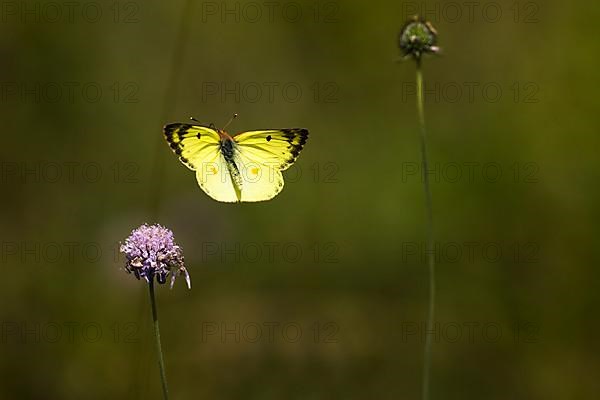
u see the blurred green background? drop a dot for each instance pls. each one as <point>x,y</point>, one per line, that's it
<point>333,267</point>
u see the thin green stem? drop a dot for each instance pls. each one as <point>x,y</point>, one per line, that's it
<point>169,102</point>
<point>429,246</point>
<point>161,361</point>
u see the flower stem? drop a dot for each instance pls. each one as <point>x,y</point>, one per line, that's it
<point>430,254</point>
<point>161,362</point>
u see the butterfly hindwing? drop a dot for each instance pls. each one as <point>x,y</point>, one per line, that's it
<point>261,180</point>
<point>215,178</point>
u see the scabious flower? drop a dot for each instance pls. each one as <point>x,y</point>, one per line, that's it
<point>417,37</point>
<point>151,251</point>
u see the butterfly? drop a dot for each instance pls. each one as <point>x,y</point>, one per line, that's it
<point>244,167</point>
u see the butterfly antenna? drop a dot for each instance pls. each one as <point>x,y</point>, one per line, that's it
<point>194,119</point>
<point>230,121</point>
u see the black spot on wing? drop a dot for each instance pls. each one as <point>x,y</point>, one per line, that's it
<point>177,131</point>
<point>268,138</point>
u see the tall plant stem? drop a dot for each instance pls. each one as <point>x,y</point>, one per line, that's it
<point>169,103</point>
<point>430,245</point>
<point>161,361</point>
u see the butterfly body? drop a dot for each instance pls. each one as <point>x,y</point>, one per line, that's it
<point>245,167</point>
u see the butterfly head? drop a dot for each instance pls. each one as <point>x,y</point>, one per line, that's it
<point>224,135</point>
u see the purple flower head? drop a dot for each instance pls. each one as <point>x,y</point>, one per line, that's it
<point>151,251</point>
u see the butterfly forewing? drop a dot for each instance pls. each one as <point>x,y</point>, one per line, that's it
<point>261,180</point>
<point>192,143</point>
<point>279,146</point>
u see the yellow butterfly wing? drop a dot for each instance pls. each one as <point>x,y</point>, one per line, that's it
<point>199,148</point>
<point>260,156</point>
<point>192,143</point>
<point>278,146</point>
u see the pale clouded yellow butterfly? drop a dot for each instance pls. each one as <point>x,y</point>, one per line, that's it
<point>244,167</point>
